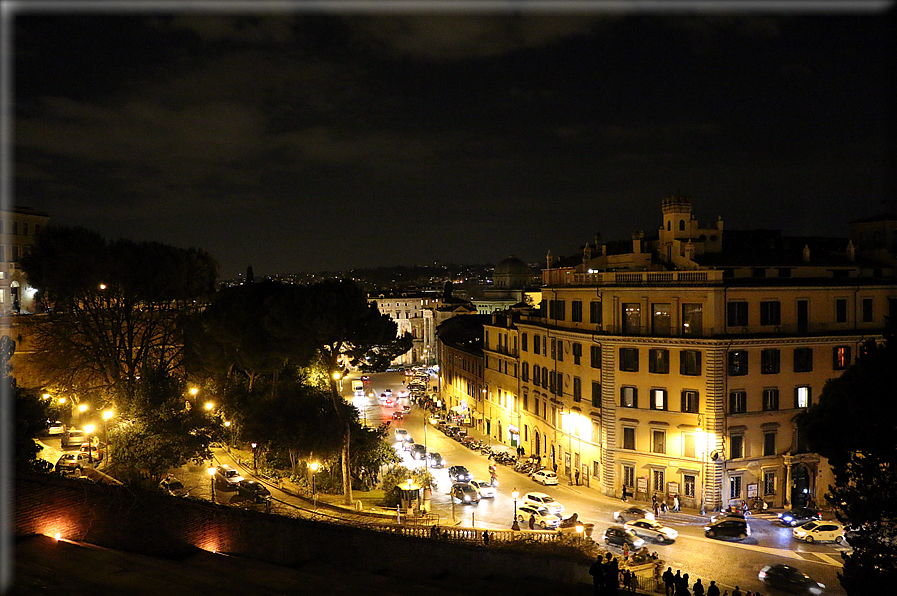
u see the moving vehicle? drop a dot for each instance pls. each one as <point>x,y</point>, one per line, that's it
<point>632,513</point>
<point>542,518</point>
<point>798,516</point>
<point>730,527</point>
<point>72,462</point>
<point>790,579</point>
<point>819,531</point>
<point>465,493</point>
<point>251,489</point>
<point>73,437</point>
<point>460,474</point>
<point>173,486</point>
<point>358,388</point>
<point>543,500</point>
<point>418,451</point>
<point>435,460</point>
<point>545,477</point>
<point>652,530</point>
<point>485,489</point>
<point>401,434</point>
<point>617,536</point>
<point>226,475</point>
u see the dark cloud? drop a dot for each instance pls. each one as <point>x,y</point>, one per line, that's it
<point>301,141</point>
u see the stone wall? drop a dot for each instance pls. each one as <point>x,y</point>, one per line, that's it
<point>158,525</point>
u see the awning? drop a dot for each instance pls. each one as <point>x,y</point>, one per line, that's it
<point>458,409</point>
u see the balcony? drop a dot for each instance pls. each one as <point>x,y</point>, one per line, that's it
<point>648,278</point>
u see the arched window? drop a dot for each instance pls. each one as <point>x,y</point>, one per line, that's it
<point>669,227</point>
<point>681,225</point>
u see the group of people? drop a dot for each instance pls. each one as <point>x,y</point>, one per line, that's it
<point>659,506</point>
<point>676,584</point>
<point>606,575</point>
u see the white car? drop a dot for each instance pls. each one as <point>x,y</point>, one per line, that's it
<point>543,500</point>
<point>227,476</point>
<point>542,518</point>
<point>651,529</point>
<point>545,477</point>
<point>401,434</point>
<point>486,490</point>
<point>819,531</point>
<point>73,462</point>
<point>55,428</point>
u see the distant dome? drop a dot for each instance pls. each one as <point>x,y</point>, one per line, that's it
<point>513,266</point>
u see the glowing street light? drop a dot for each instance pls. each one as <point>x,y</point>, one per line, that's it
<point>194,391</point>
<point>515,525</point>
<point>255,467</point>
<point>210,405</point>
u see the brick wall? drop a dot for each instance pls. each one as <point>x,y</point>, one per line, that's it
<point>158,525</point>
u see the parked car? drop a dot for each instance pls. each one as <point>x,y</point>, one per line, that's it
<point>73,437</point>
<point>227,476</point>
<point>465,493</point>
<point>251,489</point>
<point>543,500</point>
<point>96,451</point>
<point>632,513</point>
<point>173,486</point>
<point>651,529</point>
<point>418,451</point>
<point>542,517</point>
<point>799,516</point>
<point>545,477</point>
<point>72,462</point>
<point>790,579</point>
<point>819,531</point>
<point>55,428</point>
<point>435,460</point>
<point>617,536</point>
<point>730,527</point>
<point>485,490</point>
<point>460,474</point>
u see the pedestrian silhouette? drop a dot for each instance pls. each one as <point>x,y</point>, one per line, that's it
<point>611,575</point>
<point>532,522</point>
<point>669,582</point>
<point>597,573</point>
<point>486,539</point>
<point>698,588</point>
<point>712,589</point>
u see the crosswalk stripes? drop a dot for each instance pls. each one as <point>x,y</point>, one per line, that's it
<point>821,558</point>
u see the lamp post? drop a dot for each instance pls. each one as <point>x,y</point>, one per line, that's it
<point>107,414</point>
<point>62,403</point>
<point>255,468</point>
<point>515,525</point>
<point>227,425</point>
<point>314,489</point>
<point>81,409</point>
<point>88,430</point>
<point>211,472</point>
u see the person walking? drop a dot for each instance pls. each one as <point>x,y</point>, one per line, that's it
<point>611,575</point>
<point>682,588</point>
<point>532,524</point>
<point>698,588</point>
<point>627,580</point>
<point>669,582</point>
<point>597,573</point>
<point>577,477</point>
<point>712,589</point>
<point>676,503</point>
<point>656,509</point>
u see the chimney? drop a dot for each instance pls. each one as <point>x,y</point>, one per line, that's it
<point>637,242</point>
<point>806,253</point>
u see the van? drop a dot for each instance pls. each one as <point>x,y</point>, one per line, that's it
<point>358,388</point>
<point>73,437</point>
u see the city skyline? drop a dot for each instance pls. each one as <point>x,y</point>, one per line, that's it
<point>291,141</point>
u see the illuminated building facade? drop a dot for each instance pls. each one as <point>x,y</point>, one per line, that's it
<point>678,365</point>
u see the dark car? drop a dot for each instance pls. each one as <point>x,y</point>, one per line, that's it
<point>799,516</point>
<point>728,527</point>
<point>465,493</point>
<point>251,489</point>
<point>617,536</point>
<point>727,515</point>
<point>435,460</point>
<point>631,513</point>
<point>459,474</point>
<point>790,579</point>
<point>173,486</point>
<point>418,451</point>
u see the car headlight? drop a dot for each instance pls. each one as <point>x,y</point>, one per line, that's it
<point>816,590</point>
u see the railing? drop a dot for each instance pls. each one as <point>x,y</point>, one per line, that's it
<point>712,276</point>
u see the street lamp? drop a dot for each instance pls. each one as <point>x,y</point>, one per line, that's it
<point>209,406</point>
<point>107,414</point>
<point>515,525</point>
<point>314,490</point>
<point>227,425</point>
<point>211,472</point>
<point>88,429</point>
<point>255,468</point>
<point>194,391</point>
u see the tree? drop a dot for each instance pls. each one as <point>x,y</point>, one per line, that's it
<point>30,414</point>
<point>853,425</point>
<point>112,307</point>
<point>335,318</point>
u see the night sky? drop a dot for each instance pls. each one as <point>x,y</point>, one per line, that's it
<point>309,141</point>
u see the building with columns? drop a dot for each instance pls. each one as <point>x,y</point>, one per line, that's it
<point>413,313</point>
<point>677,365</point>
<point>19,227</point>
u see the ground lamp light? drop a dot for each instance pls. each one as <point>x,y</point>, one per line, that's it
<point>255,467</point>
<point>314,491</point>
<point>515,525</point>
